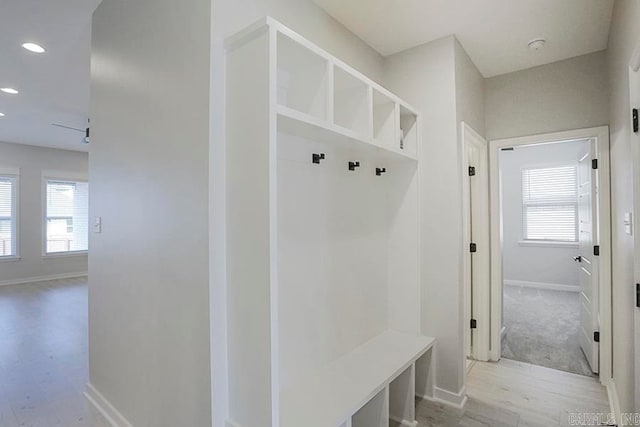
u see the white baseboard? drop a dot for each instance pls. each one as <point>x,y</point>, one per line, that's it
<point>102,405</point>
<point>42,278</point>
<point>230,423</point>
<point>614,401</point>
<point>541,285</point>
<point>469,365</point>
<point>403,422</point>
<point>455,400</point>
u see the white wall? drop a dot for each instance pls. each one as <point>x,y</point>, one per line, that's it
<point>228,17</point>
<point>551,265</point>
<point>32,161</point>
<point>623,38</point>
<point>441,81</point>
<point>307,19</point>
<point>470,92</point>
<point>425,76</point>
<point>149,281</point>
<point>565,95</point>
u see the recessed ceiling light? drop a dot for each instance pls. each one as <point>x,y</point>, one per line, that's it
<point>33,47</point>
<point>537,44</point>
<point>1,114</point>
<point>9,90</point>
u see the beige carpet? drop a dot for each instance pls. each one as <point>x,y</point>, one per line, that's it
<point>542,328</point>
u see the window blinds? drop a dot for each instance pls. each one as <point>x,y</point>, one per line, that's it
<point>550,203</point>
<point>67,218</point>
<point>7,216</point>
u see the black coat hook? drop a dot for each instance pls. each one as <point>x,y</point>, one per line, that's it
<point>353,165</point>
<point>317,157</point>
<point>380,171</point>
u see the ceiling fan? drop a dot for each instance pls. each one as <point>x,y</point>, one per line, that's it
<point>85,140</point>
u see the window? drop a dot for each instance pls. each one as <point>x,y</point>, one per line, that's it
<point>550,204</point>
<point>8,209</point>
<point>67,216</point>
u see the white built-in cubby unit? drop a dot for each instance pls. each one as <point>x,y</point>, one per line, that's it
<point>323,309</point>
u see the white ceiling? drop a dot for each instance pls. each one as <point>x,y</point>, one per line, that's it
<point>54,86</point>
<point>495,33</point>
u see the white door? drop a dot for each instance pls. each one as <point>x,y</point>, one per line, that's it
<point>587,260</point>
<point>468,279</point>
<point>476,263</point>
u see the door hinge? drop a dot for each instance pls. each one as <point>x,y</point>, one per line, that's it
<point>596,250</point>
<point>638,295</point>
<point>472,171</point>
<point>474,324</point>
<point>473,248</point>
<point>594,164</point>
<point>634,116</point>
<point>596,336</point>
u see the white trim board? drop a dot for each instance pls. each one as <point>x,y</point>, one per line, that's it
<point>542,285</point>
<point>42,278</point>
<point>105,408</point>
<point>65,175</point>
<point>614,401</point>
<point>454,400</point>
<point>634,101</point>
<point>7,170</point>
<point>548,244</point>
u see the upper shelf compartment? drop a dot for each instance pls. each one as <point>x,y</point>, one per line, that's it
<point>385,123</point>
<point>317,89</point>
<point>352,102</point>
<point>302,78</point>
<point>408,138</point>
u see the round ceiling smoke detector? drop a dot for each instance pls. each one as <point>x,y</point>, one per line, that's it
<point>537,44</point>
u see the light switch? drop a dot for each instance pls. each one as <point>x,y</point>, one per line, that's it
<point>97,225</point>
<point>628,221</point>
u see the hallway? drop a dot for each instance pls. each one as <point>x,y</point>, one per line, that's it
<point>43,354</point>
<point>510,393</point>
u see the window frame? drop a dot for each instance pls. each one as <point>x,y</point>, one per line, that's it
<point>60,176</point>
<point>547,242</point>
<point>13,173</point>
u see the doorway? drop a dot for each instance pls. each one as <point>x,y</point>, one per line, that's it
<point>550,246</point>
<point>546,208</point>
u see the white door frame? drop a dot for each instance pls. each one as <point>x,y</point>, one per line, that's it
<point>634,102</point>
<point>480,220</point>
<point>601,135</point>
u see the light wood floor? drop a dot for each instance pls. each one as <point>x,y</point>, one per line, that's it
<point>43,372</point>
<point>43,355</point>
<point>510,393</point>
